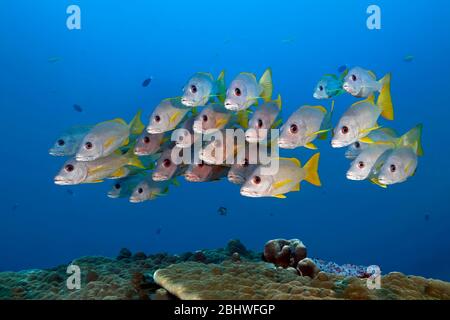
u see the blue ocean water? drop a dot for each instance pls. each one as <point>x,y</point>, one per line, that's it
<point>121,43</point>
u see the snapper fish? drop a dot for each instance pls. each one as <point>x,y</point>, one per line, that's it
<point>202,172</point>
<point>202,88</point>
<point>287,179</point>
<point>241,170</point>
<point>304,126</point>
<point>366,162</point>
<point>166,168</point>
<point>363,83</point>
<point>106,137</point>
<point>330,86</point>
<point>244,91</point>
<point>123,188</point>
<point>380,135</point>
<point>264,118</point>
<point>148,144</point>
<point>221,150</point>
<point>148,189</point>
<point>215,117</point>
<point>167,116</point>
<point>69,142</point>
<point>402,162</point>
<point>112,166</point>
<point>358,121</point>
<point>185,136</point>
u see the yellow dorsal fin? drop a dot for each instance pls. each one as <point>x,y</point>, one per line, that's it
<point>384,99</point>
<point>282,183</point>
<point>311,170</point>
<point>413,139</point>
<point>209,75</point>
<point>296,187</point>
<point>252,75</point>
<point>221,87</point>
<point>136,125</point>
<point>266,84</point>
<point>133,160</point>
<point>321,108</point>
<point>368,130</point>
<point>119,120</point>
<point>280,196</point>
<point>311,146</point>
<point>119,173</point>
<point>293,160</point>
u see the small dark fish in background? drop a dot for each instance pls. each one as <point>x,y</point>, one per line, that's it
<point>158,231</point>
<point>342,68</point>
<point>427,217</point>
<point>408,58</point>
<point>222,211</point>
<point>53,59</point>
<point>70,192</point>
<point>77,108</point>
<point>14,207</point>
<point>271,214</point>
<point>147,82</point>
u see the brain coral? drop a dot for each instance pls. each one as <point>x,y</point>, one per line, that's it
<point>258,280</point>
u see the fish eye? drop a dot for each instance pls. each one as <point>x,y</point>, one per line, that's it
<point>293,128</point>
<point>245,163</point>
<point>117,186</point>
<point>146,139</point>
<point>321,88</point>
<point>361,165</point>
<point>237,92</point>
<point>69,167</point>
<point>260,123</point>
<point>140,190</point>
<point>88,145</point>
<point>166,163</point>
<point>393,168</point>
<point>353,77</point>
<point>205,118</point>
<point>344,129</point>
<point>357,145</point>
<point>256,179</point>
<point>194,89</point>
<point>157,118</point>
<point>61,142</point>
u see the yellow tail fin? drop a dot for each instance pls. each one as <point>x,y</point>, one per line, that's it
<point>221,87</point>
<point>136,125</point>
<point>133,160</point>
<point>413,139</point>
<point>384,99</point>
<point>311,169</point>
<point>266,83</point>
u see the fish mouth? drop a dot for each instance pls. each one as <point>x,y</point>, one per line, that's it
<point>183,144</point>
<point>231,106</point>
<point>248,193</point>
<point>192,177</point>
<point>140,152</point>
<point>187,102</point>
<point>349,155</point>
<point>286,145</point>
<point>112,195</point>
<point>62,182</point>
<point>56,153</point>
<point>349,89</point>
<point>352,176</point>
<point>236,179</point>
<point>253,138</point>
<point>85,158</point>
<point>197,127</point>
<point>159,177</point>
<point>338,144</point>
<point>152,130</point>
<point>383,180</point>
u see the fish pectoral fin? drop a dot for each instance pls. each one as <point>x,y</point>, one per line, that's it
<point>221,122</point>
<point>378,183</point>
<point>296,187</point>
<point>319,132</point>
<point>108,142</point>
<point>174,117</point>
<point>120,120</point>
<point>119,173</point>
<point>96,181</point>
<point>368,130</point>
<point>175,182</point>
<point>280,196</point>
<point>282,183</point>
<point>277,123</point>
<point>366,140</point>
<point>311,146</point>
<point>320,108</point>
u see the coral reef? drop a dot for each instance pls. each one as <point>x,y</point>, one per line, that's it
<point>233,272</point>
<point>259,280</point>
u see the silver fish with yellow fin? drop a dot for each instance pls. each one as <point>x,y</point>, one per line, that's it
<point>202,88</point>
<point>287,179</point>
<point>167,116</point>
<point>264,118</point>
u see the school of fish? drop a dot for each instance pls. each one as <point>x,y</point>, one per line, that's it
<point>142,159</point>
